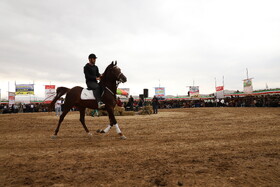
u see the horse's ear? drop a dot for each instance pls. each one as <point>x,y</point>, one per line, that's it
<point>112,63</point>
<point>115,62</point>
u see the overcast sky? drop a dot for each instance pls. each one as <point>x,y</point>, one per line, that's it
<point>168,42</point>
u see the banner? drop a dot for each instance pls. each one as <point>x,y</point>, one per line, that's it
<point>160,92</point>
<point>220,92</point>
<point>12,98</point>
<point>24,89</point>
<point>219,88</point>
<point>248,86</point>
<point>49,93</point>
<point>194,91</point>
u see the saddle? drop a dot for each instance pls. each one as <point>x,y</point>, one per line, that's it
<point>87,94</point>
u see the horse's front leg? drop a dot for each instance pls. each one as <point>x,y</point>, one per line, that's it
<point>113,122</point>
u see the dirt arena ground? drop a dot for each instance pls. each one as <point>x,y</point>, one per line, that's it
<point>177,147</point>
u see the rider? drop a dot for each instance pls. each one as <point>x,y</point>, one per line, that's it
<point>92,75</point>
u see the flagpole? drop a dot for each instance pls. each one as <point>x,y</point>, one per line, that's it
<point>15,89</point>
<point>215,83</point>
<point>215,87</point>
<point>223,86</point>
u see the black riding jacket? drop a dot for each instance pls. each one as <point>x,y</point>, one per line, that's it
<point>91,72</point>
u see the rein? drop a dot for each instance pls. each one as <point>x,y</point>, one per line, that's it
<point>109,91</point>
<point>117,84</point>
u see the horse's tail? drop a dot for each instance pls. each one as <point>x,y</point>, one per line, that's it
<point>60,91</point>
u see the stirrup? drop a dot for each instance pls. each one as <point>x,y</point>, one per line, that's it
<point>101,105</point>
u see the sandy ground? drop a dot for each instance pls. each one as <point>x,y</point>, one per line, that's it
<point>182,147</point>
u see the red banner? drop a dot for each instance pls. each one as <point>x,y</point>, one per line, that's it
<point>49,87</point>
<point>49,93</point>
<point>219,88</point>
<point>12,98</point>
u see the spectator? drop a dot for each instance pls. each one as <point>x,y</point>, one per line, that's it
<point>58,107</point>
<point>119,102</point>
<point>155,104</point>
<point>130,103</point>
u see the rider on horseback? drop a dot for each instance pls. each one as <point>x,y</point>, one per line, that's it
<point>92,75</point>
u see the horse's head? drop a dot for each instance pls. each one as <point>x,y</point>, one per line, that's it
<point>118,73</point>
<point>115,72</point>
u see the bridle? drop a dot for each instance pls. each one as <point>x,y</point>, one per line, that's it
<point>118,81</point>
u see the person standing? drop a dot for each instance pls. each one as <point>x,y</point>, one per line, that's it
<point>155,104</point>
<point>131,102</point>
<point>57,107</point>
<point>92,75</point>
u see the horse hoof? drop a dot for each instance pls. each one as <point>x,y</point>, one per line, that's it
<point>53,136</point>
<point>89,134</point>
<point>100,131</point>
<point>123,137</point>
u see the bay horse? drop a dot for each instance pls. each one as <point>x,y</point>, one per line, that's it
<point>109,81</point>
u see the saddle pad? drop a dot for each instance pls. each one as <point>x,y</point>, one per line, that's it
<point>87,94</point>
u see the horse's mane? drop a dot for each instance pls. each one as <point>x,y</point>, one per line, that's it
<point>104,75</point>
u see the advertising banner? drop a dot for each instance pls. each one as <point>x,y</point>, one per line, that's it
<point>248,86</point>
<point>220,92</point>
<point>49,93</point>
<point>24,89</point>
<point>12,98</point>
<point>160,92</point>
<point>219,88</point>
<point>194,91</point>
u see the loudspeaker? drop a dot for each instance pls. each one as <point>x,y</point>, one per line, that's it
<point>141,96</point>
<point>146,93</point>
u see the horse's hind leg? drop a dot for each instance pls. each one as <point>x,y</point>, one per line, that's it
<point>82,120</point>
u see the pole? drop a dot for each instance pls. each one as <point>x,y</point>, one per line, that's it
<point>223,87</point>
<point>215,87</point>
<point>215,83</point>
<point>216,92</point>
<point>15,89</point>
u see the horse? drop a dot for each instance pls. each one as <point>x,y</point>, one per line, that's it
<point>109,82</point>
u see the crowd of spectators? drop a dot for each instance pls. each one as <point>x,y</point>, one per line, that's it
<point>23,108</point>
<point>248,101</point>
<point>27,108</point>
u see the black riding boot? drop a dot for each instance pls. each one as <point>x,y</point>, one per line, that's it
<point>97,96</point>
